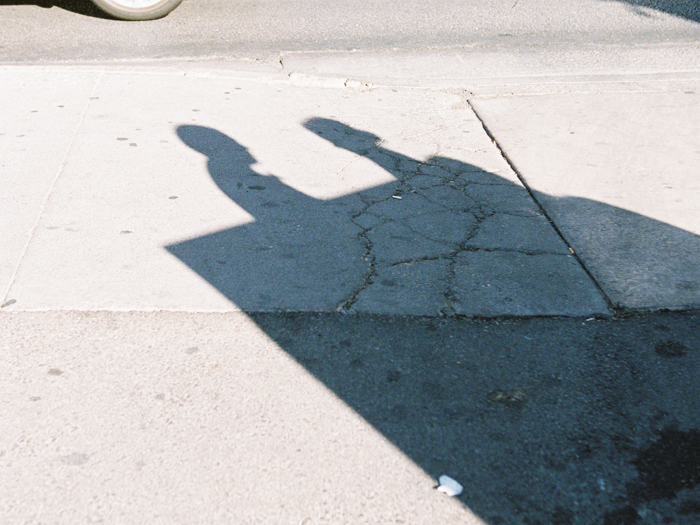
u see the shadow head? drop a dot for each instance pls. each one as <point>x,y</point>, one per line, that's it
<point>214,144</point>
<point>342,135</point>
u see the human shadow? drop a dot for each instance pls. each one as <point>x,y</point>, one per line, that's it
<point>529,415</point>
<point>446,238</point>
<point>402,247</point>
<point>688,9</point>
<point>295,256</point>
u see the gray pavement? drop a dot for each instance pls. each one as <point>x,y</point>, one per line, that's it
<point>240,293</point>
<point>363,198</point>
<point>73,30</point>
<point>179,417</point>
<point>378,201</point>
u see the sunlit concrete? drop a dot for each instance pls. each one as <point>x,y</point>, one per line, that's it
<point>36,133</point>
<point>140,204</point>
<point>618,174</point>
<point>154,418</point>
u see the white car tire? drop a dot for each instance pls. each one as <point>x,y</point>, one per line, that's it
<point>137,9</point>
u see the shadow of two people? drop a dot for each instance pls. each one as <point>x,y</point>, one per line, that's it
<point>433,239</point>
<point>406,242</point>
<point>454,396</point>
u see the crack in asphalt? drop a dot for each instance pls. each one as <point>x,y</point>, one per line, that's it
<point>429,189</point>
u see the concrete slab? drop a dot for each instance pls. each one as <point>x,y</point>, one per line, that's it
<point>148,418</point>
<point>41,114</point>
<point>279,198</point>
<point>507,69</point>
<point>179,417</point>
<point>618,174</point>
<point>101,243</point>
<point>530,284</point>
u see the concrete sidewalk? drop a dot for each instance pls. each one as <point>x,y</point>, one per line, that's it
<point>238,294</point>
<point>149,188</point>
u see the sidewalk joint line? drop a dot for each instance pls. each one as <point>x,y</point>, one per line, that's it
<point>59,172</point>
<point>615,309</point>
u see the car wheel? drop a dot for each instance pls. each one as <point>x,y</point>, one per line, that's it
<point>137,9</point>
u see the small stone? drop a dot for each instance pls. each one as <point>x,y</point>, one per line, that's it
<point>449,486</point>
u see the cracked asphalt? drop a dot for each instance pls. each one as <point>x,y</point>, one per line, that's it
<point>421,245</point>
<point>444,220</point>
